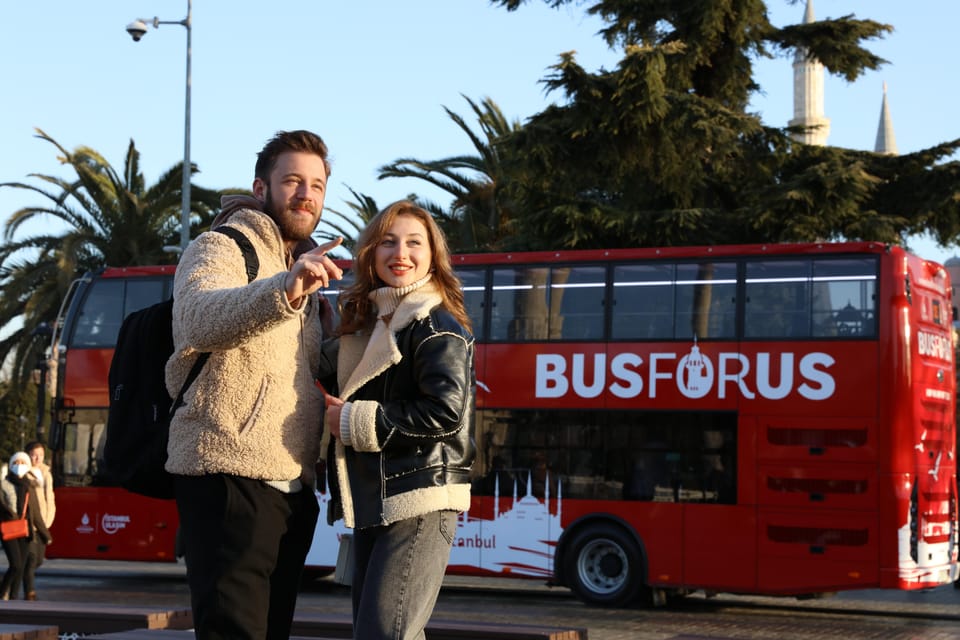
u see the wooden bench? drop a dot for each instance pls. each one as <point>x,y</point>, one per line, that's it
<point>316,626</point>
<point>89,618</point>
<point>341,626</point>
<point>307,626</point>
<point>159,634</point>
<point>28,632</point>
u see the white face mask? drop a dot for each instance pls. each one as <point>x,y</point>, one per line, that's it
<point>20,469</point>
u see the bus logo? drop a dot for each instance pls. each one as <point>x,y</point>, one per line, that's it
<point>935,346</point>
<point>772,376</point>
<point>111,524</point>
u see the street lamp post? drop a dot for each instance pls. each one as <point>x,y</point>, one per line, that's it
<point>137,29</point>
<point>43,331</point>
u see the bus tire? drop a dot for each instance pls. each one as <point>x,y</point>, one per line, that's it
<point>603,566</point>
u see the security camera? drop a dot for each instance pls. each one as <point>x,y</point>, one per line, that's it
<point>137,29</point>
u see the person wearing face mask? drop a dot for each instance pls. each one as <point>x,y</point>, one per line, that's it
<point>16,487</point>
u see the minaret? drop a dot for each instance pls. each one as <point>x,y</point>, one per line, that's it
<point>808,94</point>
<point>886,141</point>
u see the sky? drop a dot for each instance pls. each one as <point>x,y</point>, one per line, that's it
<point>372,77</point>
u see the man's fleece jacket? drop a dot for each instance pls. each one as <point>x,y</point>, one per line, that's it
<point>254,411</point>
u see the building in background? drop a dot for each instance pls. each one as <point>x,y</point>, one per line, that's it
<point>808,78</point>
<point>808,101</point>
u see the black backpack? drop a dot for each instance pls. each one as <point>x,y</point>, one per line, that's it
<point>138,422</point>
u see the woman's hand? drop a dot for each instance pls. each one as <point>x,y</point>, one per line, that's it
<point>331,415</point>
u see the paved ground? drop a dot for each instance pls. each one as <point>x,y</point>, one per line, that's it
<point>881,614</point>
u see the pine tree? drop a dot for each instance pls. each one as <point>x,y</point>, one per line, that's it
<point>661,150</point>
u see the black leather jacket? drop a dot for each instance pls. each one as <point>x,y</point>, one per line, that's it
<point>423,426</point>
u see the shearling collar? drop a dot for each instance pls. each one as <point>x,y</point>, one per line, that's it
<point>363,359</point>
<point>386,299</point>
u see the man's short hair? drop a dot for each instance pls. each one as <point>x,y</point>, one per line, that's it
<point>283,141</point>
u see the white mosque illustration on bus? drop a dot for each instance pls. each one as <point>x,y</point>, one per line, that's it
<point>519,540</point>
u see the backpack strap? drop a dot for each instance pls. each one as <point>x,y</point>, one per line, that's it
<point>252,263</point>
<point>250,258</point>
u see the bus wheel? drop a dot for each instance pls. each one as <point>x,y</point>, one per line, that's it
<point>603,566</point>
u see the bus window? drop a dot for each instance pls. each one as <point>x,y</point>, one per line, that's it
<point>474,287</point>
<point>540,303</point>
<point>642,302</point>
<point>332,293</point>
<point>706,300</point>
<point>777,299</point>
<point>675,457</point>
<point>519,304</point>
<point>109,301</point>
<point>143,293</point>
<point>577,303</point>
<point>589,455</point>
<point>82,447</point>
<point>98,322</point>
<point>845,299</point>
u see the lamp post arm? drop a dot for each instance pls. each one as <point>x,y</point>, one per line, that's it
<point>137,29</point>
<point>187,167</point>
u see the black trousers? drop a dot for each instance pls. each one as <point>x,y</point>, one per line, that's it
<point>34,558</point>
<point>245,545</point>
<point>16,551</point>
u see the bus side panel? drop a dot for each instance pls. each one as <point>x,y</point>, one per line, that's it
<point>748,435</point>
<point>721,544</point>
<point>817,550</point>
<point>323,553</point>
<point>106,523</point>
<point>853,486</point>
<point>480,369</point>
<point>660,527</point>
<point>818,439</point>
<point>85,381</point>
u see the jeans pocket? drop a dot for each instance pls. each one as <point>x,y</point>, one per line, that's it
<point>448,525</point>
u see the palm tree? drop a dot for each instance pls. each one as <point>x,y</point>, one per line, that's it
<point>108,218</point>
<point>348,225</point>
<point>480,215</point>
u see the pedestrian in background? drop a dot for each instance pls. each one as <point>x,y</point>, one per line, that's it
<point>18,489</point>
<point>36,550</point>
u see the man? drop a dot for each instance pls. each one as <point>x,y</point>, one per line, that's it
<point>244,444</point>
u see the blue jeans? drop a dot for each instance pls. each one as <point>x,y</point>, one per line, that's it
<point>398,570</point>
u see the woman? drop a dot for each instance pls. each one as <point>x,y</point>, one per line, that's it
<point>46,501</point>
<point>402,368</point>
<point>17,486</point>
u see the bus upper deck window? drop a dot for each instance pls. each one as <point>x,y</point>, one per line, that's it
<point>643,301</point>
<point>845,297</point>
<point>777,299</point>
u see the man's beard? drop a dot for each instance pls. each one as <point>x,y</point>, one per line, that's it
<point>288,222</point>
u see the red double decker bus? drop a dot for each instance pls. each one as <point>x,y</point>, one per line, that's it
<point>766,419</point>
